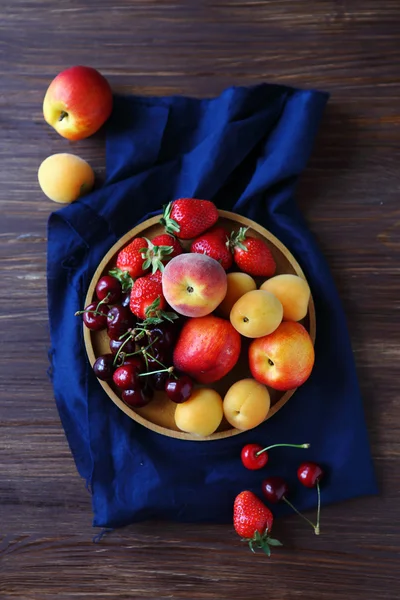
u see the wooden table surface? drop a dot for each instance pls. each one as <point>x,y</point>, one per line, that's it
<point>350,197</point>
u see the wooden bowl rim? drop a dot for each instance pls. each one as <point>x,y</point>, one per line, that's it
<point>243,221</point>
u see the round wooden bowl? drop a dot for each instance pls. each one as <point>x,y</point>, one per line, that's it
<point>158,415</point>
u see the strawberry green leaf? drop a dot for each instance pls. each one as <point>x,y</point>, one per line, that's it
<point>273,542</point>
<point>169,224</point>
<point>153,307</point>
<point>261,541</point>
<point>155,316</point>
<point>266,549</point>
<point>154,256</point>
<point>146,264</point>
<point>236,239</point>
<point>169,316</point>
<point>123,277</point>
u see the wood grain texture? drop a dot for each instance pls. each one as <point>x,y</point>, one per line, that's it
<point>349,196</point>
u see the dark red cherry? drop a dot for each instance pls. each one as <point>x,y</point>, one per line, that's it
<point>274,489</point>
<point>110,288</point>
<point>140,394</point>
<point>146,386</point>
<point>154,358</point>
<point>103,367</point>
<point>119,320</point>
<point>126,377</point>
<point>125,299</point>
<point>136,361</point>
<point>178,390</point>
<point>157,381</point>
<point>94,317</point>
<point>128,348</point>
<point>135,397</point>
<point>163,335</point>
<point>309,474</point>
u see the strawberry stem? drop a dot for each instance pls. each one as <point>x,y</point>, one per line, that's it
<point>279,445</point>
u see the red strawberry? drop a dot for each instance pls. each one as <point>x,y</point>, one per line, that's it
<point>131,258</point>
<point>252,255</point>
<point>157,276</point>
<point>188,217</point>
<point>146,296</point>
<point>253,521</point>
<point>214,243</point>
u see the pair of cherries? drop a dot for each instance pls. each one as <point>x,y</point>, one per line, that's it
<point>276,489</point>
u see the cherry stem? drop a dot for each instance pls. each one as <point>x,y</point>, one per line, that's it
<point>156,360</point>
<point>105,299</point>
<point>121,337</point>
<point>169,370</point>
<point>94,312</point>
<point>163,370</point>
<point>120,350</point>
<point>286,445</point>
<point>143,351</point>
<point>315,527</point>
<point>317,530</point>
<point>141,331</point>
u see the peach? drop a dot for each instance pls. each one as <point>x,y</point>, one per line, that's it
<point>201,414</point>
<point>65,177</point>
<point>207,348</point>
<point>283,359</point>
<point>246,404</point>
<point>237,285</point>
<point>293,293</point>
<point>194,284</point>
<point>256,313</point>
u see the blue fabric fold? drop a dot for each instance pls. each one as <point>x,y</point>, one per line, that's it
<point>245,150</point>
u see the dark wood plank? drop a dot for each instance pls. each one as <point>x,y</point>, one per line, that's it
<point>349,195</point>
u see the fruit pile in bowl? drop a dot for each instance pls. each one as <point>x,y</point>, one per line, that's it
<point>199,324</point>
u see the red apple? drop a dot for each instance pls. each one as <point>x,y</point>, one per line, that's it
<point>78,102</point>
<point>207,348</point>
<point>283,359</point>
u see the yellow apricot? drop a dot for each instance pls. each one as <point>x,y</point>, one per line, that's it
<point>246,404</point>
<point>65,177</point>
<point>201,414</point>
<point>293,293</point>
<point>256,313</point>
<point>238,285</point>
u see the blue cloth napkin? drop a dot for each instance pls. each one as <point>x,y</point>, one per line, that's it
<point>244,150</point>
